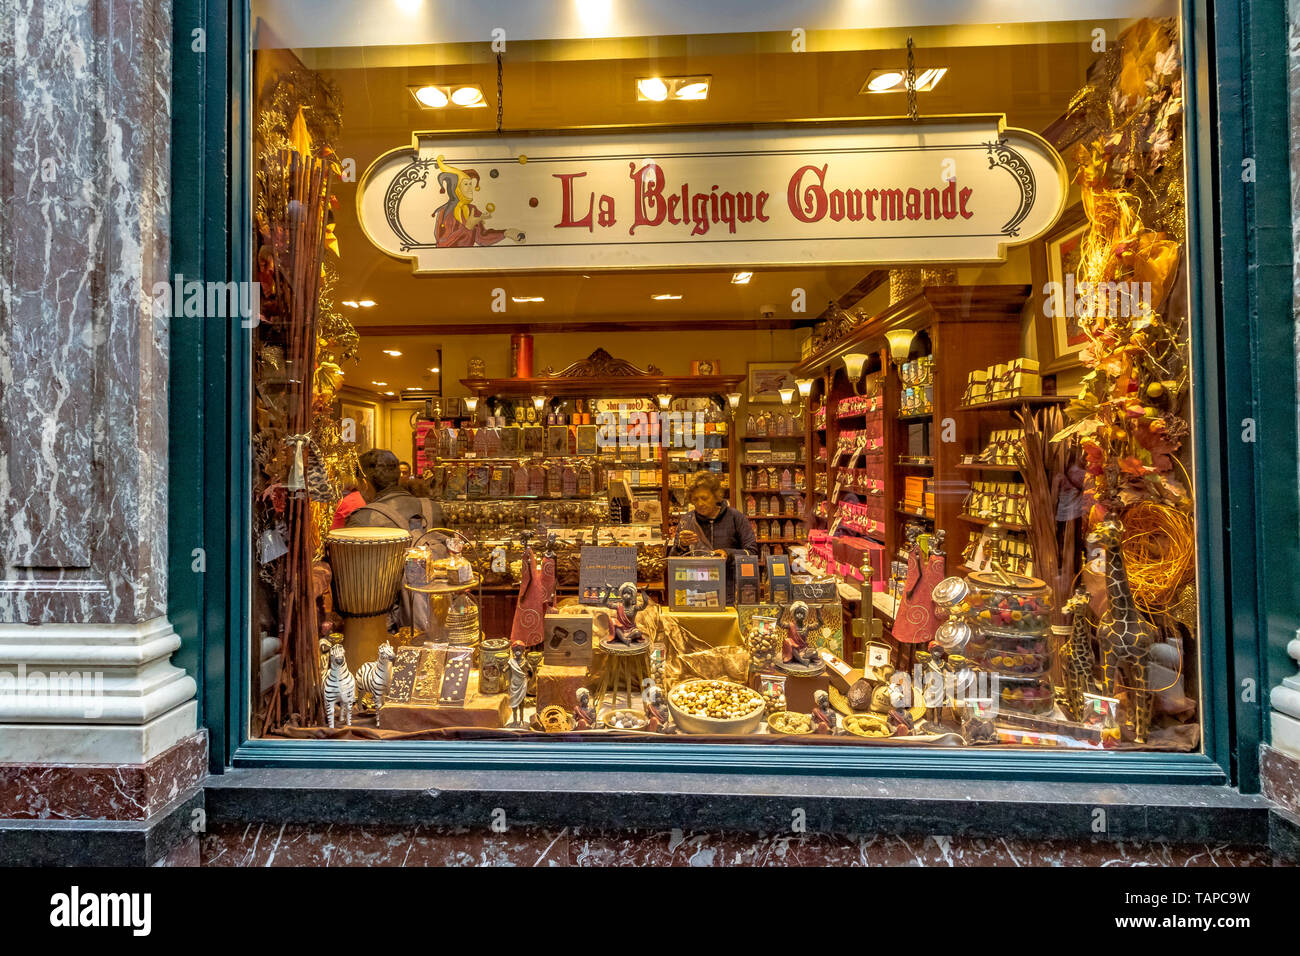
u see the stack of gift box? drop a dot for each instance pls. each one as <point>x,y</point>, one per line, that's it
<point>918,495</point>
<point>1003,501</point>
<point>1003,448</point>
<point>862,517</point>
<point>843,558</point>
<point>1016,556</point>
<point>1018,378</point>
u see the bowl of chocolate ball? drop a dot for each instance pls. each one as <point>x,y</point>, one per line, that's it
<point>715,707</point>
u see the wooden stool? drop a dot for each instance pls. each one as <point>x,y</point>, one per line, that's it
<point>623,664</point>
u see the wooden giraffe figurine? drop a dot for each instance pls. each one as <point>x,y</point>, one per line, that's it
<point>1124,636</point>
<point>1076,657</point>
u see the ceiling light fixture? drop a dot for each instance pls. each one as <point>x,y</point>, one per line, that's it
<point>390,393</point>
<point>741,278</point>
<point>435,370</point>
<point>651,88</point>
<point>430,97</point>
<point>367,303</point>
<point>380,384</point>
<point>468,96</point>
<point>393,352</point>
<point>698,90</point>
<point>666,297</point>
<point>656,89</point>
<point>352,303</point>
<point>893,81</point>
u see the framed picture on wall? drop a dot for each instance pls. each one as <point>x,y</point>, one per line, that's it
<point>363,424</point>
<point>766,379</point>
<point>1055,264</point>
<point>706,367</point>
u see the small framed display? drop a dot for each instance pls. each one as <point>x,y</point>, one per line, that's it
<point>568,639</point>
<point>697,584</point>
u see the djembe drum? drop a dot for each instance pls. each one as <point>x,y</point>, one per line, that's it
<point>367,565</point>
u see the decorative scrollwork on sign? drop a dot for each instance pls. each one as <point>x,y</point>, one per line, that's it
<point>417,172</point>
<point>600,364</point>
<point>1000,154</point>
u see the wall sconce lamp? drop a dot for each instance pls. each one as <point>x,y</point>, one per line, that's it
<point>805,386</point>
<point>854,362</point>
<point>900,344</point>
<point>787,395</point>
<point>733,401</point>
<point>471,406</point>
<point>539,402</point>
<point>665,400</point>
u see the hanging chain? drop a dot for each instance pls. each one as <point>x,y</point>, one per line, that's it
<point>500,89</point>
<point>911,81</point>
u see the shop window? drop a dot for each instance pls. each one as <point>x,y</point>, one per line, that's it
<point>815,384</point>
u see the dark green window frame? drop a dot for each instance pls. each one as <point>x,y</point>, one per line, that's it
<point>1239,235</point>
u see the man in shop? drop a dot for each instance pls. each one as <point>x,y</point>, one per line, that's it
<point>392,505</point>
<point>714,527</point>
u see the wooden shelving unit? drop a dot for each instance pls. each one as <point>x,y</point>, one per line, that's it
<point>966,328</point>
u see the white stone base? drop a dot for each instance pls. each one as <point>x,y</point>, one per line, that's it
<point>92,693</point>
<point>97,743</point>
<point>1286,734</point>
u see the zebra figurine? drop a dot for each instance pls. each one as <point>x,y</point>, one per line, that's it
<point>337,686</point>
<point>372,677</point>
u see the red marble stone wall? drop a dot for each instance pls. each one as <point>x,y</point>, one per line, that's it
<point>274,844</point>
<point>103,792</point>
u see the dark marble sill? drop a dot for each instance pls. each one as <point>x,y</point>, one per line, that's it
<point>100,842</point>
<point>742,803</point>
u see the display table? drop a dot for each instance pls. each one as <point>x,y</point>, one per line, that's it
<point>714,628</point>
<point>479,710</point>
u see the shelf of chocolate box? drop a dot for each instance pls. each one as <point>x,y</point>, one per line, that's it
<point>1014,382</point>
<point>916,398</point>
<point>773,424</point>
<point>1005,502</point>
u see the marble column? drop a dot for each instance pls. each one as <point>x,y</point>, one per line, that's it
<point>89,701</point>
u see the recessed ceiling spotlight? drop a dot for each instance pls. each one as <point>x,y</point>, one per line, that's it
<point>430,97</point>
<point>367,303</point>
<point>893,81</point>
<point>390,393</point>
<point>435,370</point>
<point>352,303</point>
<point>380,384</point>
<point>651,88</point>
<point>697,90</point>
<point>468,96</point>
<point>393,352</point>
<point>741,278</point>
<point>656,89</point>
<point>527,298</point>
<point>666,297</point>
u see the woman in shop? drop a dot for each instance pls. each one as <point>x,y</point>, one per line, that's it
<point>713,525</point>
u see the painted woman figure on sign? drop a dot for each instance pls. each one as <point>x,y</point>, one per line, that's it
<point>458,222</point>
<point>796,648</point>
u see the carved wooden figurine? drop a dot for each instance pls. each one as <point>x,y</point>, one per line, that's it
<point>1124,636</point>
<point>1076,657</point>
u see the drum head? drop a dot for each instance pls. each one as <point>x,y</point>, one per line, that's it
<point>367,535</point>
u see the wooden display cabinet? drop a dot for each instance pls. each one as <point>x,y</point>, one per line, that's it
<point>966,328</point>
